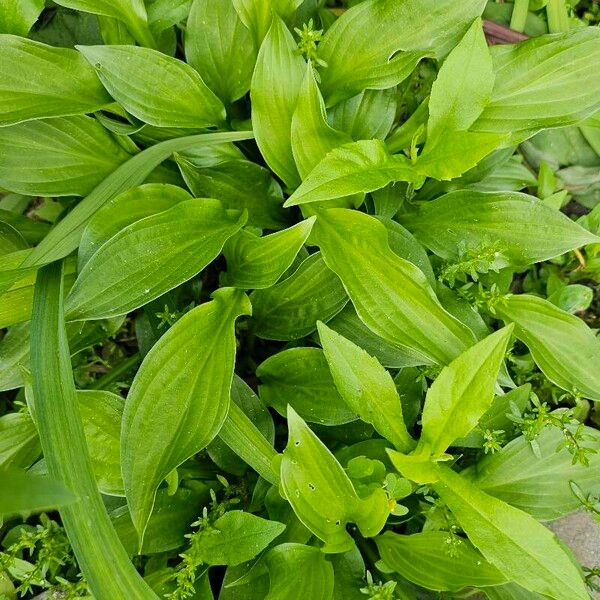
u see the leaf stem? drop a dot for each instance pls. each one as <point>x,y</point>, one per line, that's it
<point>519,15</point>
<point>558,18</point>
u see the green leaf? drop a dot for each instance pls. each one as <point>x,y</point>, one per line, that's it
<point>290,309</point>
<point>169,523</point>
<point>463,86</point>
<point>427,560</point>
<point>289,565</point>
<point>23,492</point>
<point>367,115</point>
<point>125,209</point>
<point>462,393</point>
<point>562,345</point>
<point>163,14</point>
<point>406,31</point>
<point>100,555</point>
<point>322,495</point>
<point>69,85</point>
<point>349,572</point>
<point>131,12</point>
<point>511,540</point>
<point>348,324</point>
<point>255,262</point>
<point>65,236</point>
<point>19,444</point>
<point>354,168</point>
<point>538,483</point>
<point>366,387</point>
<point>57,157</point>
<point>257,15</point>
<point>300,377</point>
<point>239,184</point>
<point>101,415</point>
<point>406,246</point>
<point>455,152</point>
<point>274,92</point>
<point>391,296</point>
<point>522,228</point>
<point>150,257</point>
<point>237,537</point>
<point>534,91</point>
<point>178,99</point>
<point>174,408</point>
<point>220,48</point>
<point>311,136</point>
<point>18,16</point>
<point>250,437</point>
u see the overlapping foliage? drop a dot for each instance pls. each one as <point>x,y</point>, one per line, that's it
<point>298,300</point>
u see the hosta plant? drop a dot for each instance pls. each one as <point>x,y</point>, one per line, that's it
<point>297,299</point>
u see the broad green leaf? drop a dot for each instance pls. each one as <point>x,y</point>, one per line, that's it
<point>367,115</point>
<point>150,257</point>
<point>169,523</point>
<point>131,12</point>
<point>354,168</point>
<point>290,309</point>
<point>348,324</point>
<point>237,537</point>
<point>18,16</point>
<point>65,236</point>
<point>562,345</point>
<point>322,495</point>
<point>349,573</point>
<point>249,432</point>
<point>405,245</point>
<point>163,14</point>
<point>16,303</point>
<point>174,408</point>
<point>366,387</point>
<point>539,484</point>
<point>10,239</point>
<point>455,152</point>
<point>255,262</point>
<point>69,85</point>
<point>220,48</point>
<point>57,157</point>
<point>276,83</point>
<point>179,97</point>
<point>23,492</point>
<point>534,91</point>
<point>100,555</point>
<point>298,572</point>
<point>463,85</point>
<point>406,31</point>
<point>462,393</point>
<point>257,15</point>
<point>426,559</point>
<point>514,542</point>
<point>19,444</point>
<point>391,296</point>
<point>125,209</point>
<point>511,591</point>
<point>101,415</point>
<point>521,228</point>
<point>497,417</point>
<point>311,136</point>
<point>300,377</point>
<point>239,184</point>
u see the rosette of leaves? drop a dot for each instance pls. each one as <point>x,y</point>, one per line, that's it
<point>291,304</point>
